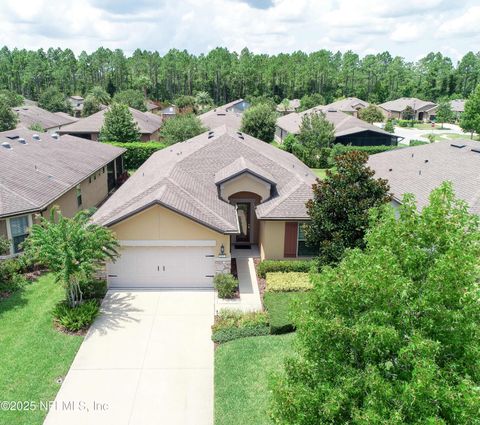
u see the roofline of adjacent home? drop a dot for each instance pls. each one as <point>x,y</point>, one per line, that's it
<point>44,206</point>
<point>65,131</point>
<point>283,218</point>
<point>175,210</point>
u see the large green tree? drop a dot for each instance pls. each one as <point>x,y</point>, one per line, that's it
<point>339,209</point>
<point>180,128</point>
<point>53,100</point>
<point>315,133</point>
<point>119,125</point>
<point>259,121</point>
<point>392,335</point>
<point>444,112</point>
<point>470,119</point>
<point>371,114</point>
<point>8,118</point>
<point>11,98</point>
<point>132,98</point>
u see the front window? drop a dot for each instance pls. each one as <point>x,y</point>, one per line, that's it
<point>19,231</point>
<point>302,249</point>
<point>79,196</point>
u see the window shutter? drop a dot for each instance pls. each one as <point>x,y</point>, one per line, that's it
<point>291,233</point>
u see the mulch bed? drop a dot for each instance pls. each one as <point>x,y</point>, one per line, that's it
<point>59,328</point>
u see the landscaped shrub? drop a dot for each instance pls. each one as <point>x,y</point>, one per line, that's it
<point>11,278</point>
<point>76,318</point>
<point>271,266</point>
<point>137,152</point>
<point>416,142</point>
<point>93,289</point>
<point>279,306</point>
<point>288,282</point>
<point>225,284</point>
<point>231,325</point>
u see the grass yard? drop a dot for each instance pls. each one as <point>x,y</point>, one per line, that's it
<point>427,126</point>
<point>449,136</point>
<point>32,354</point>
<point>321,173</point>
<point>242,371</point>
<point>279,305</point>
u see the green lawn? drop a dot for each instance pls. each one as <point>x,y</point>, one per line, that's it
<point>32,353</point>
<point>279,307</point>
<point>449,136</point>
<point>321,173</point>
<point>242,371</point>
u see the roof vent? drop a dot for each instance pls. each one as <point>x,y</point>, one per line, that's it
<point>22,141</point>
<point>453,145</point>
<point>12,137</point>
<point>55,136</point>
<point>36,137</point>
<point>210,135</point>
<point>7,145</point>
<point>390,169</point>
<point>426,161</point>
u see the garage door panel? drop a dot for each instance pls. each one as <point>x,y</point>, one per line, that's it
<point>162,267</point>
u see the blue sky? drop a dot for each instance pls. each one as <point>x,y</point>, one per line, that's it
<point>409,28</point>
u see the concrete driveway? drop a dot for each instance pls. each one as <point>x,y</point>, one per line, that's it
<point>148,359</point>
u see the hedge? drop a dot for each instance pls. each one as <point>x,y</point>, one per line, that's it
<point>288,282</point>
<point>279,306</point>
<point>137,152</point>
<point>231,325</point>
<point>271,266</point>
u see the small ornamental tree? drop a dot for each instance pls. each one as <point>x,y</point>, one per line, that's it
<point>72,248</point>
<point>181,128</point>
<point>11,98</point>
<point>408,113</point>
<point>392,335</point>
<point>54,100</point>
<point>309,101</point>
<point>119,125</point>
<point>444,112</point>
<point>371,114</point>
<point>91,105</point>
<point>100,95</point>
<point>315,133</point>
<point>8,118</point>
<point>132,98</point>
<point>470,119</point>
<point>259,121</point>
<point>339,209</point>
<point>389,126</point>
<point>36,126</point>
<point>203,100</point>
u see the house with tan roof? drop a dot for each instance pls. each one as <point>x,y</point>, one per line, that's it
<point>423,110</point>
<point>229,115</point>
<point>348,129</point>
<point>349,105</point>
<point>189,206</point>
<point>76,102</point>
<point>89,127</point>
<point>285,108</point>
<point>421,169</point>
<point>38,171</point>
<point>50,121</point>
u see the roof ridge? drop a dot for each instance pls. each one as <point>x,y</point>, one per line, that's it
<point>17,194</point>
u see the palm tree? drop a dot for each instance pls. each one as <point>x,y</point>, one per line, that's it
<point>203,99</point>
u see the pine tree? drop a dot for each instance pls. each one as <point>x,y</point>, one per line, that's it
<point>119,125</point>
<point>470,120</point>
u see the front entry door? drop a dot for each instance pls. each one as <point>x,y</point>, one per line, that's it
<point>244,212</point>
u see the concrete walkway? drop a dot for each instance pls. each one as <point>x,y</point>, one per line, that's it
<point>148,359</point>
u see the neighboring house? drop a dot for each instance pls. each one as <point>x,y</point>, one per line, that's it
<point>152,106</point>
<point>28,115</point>
<point>292,106</point>
<point>349,105</point>
<point>77,104</point>
<point>89,127</point>
<point>229,115</point>
<point>421,169</point>
<point>423,110</point>
<point>458,107</point>
<point>179,215</point>
<point>168,112</point>
<point>348,129</point>
<point>38,171</point>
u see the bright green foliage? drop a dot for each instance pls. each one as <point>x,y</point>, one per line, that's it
<point>180,128</point>
<point>339,209</point>
<point>203,100</point>
<point>119,125</point>
<point>444,112</point>
<point>137,152</point>
<point>408,113</point>
<point>279,306</point>
<point>340,149</point>
<point>316,133</point>
<point>54,100</point>
<point>371,114</point>
<point>470,120</point>
<point>288,282</point>
<point>259,121</point>
<point>4,245</point>
<point>11,98</point>
<point>36,126</point>
<point>185,101</point>
<point>72,248</point>
<point>91,105</point>
<point>11,277</point>
<point>284,266</point>
<point>226,285</point>
<point>133,98</point>
<point>100,95</point>
<point>76,318</point>
<point>392,335</point>
<point>389,126</point>
<point>8,118</point>
<point>230,324</point>
<point>309,101</point>
<point>289,143</point>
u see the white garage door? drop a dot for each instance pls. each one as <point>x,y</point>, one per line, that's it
<point>163,267</point>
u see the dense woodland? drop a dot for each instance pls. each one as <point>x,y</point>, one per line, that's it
<point>228,75</point>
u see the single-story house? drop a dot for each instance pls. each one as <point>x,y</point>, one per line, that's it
<point>179,216</point>
<point>349,105</point>
<point>423,110</point>
<point>168,112</point>
<point>77,104</point>
<point>89,127</point>
<point>458,107</point>
<point>229,115</point>
<point>292,106</point>
<point>152,106</point>
<point>348,129</point>
<point>28,115</point>
<point>38,171</point>
<point>421,169</point>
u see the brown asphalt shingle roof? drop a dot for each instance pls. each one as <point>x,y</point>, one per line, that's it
<point>399,105</point>
<point>222,115</point>
<point>148,123</point>
<point>349,104</point>
<point>35,174</point>
<point>410,173</point>
<point>182,178</point>
<point>28,115</point>
<point>458,105</point>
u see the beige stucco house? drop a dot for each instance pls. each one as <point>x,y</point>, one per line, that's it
<point>181,214</point>
<point>422,110</point>
<point>38,171</point>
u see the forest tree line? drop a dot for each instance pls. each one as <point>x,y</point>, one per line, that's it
<point>229,75</point>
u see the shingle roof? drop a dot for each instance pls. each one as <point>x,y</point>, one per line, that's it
<point>240,166</point>
<point>458,105</point>
<point>148,123</point>
<point>35,174</point>
<point>151,105</point>
<point>293,105</point>
<point>349,104</point>
<point>222,115</point>
<point>28,115</point>
<point>411,173</point>
<point>399,105</point>
<point>182,178</point>
<point>344,123</point>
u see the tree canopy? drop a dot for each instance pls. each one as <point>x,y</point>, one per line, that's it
<point>180,128</point>
<point>119,125</point>
<point>392,335</point>
<point>11,98</point>
<point>444,112</point>
<point>8,118</point>
<point>470,120</point>
<point>259,121</point>
<point>371,114</point>
<point>132,98</point>
<point>53,100</point>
